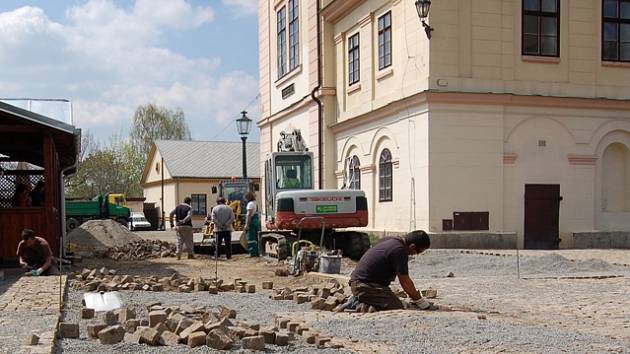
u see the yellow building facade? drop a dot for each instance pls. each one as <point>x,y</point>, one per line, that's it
<point>512,118</point>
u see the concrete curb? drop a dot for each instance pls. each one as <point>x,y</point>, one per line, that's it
<point>53,344</point>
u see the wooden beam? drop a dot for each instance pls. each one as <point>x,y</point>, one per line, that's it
<point>18,129</point>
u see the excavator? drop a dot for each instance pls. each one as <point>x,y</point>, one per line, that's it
<point>294,210</point>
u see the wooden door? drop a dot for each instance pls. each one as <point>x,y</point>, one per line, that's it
<point>542,212</point>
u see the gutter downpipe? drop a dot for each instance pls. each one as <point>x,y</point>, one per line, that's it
<point>314,96</point>
<point>62,193</point>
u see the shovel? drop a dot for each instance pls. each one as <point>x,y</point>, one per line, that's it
<point>103,301</point>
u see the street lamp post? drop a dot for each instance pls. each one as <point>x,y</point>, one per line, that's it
<point>244,125</point>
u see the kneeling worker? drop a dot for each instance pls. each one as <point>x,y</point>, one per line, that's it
<point>380,265</point>
<point>35,255</point>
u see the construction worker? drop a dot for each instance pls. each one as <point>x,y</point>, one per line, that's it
<point>291,181</point>
<point>223,217</point>
<point>252,224</point>
<point>379,266</point>
<point>183,228</point>
<point>35,255</point>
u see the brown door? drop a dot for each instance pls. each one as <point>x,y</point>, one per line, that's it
<point>542,210</point>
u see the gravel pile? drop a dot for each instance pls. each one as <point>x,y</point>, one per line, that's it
<point>109,239</point>
<point>98,236</point>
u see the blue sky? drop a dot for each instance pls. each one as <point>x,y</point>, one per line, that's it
<point>109,56</point>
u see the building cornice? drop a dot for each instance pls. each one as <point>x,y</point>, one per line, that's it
<point>483,99</point>
<point>338,9</point>
<point>306,101</point>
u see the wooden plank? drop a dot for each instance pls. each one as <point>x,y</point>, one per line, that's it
<point>13,221</point>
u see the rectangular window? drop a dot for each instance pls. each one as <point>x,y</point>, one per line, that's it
<point>282,43</point>
<point>385,41</point>
<point>541,28</point>
<point>616,30</point>
<point>198,204</point>
<point>353,59</point>
<point>294,34</point>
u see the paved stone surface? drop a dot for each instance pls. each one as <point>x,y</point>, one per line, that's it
<point>29,305</point>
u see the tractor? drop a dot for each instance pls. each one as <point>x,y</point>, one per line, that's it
<point>233,190</point>
<point>294,210</point>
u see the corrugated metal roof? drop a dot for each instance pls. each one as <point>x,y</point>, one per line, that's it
<point>208,159</point>
<point>38,118</point>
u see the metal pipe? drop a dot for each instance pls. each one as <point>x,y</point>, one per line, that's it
<point>163,225</point>
<point>320,109</point>
<point>62,193</point>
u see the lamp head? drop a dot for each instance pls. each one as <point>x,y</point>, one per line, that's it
<point>422,6</point>
<point>244,124</point>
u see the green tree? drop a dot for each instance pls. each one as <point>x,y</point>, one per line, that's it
<point>151,123</point>
<point>117,167</point>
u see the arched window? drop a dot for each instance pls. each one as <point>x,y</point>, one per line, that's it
<point>354,173</point>
<point>385,177</point>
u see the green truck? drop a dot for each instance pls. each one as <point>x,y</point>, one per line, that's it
<point>107,206</point>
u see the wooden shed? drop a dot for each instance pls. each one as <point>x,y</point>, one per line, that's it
<point>33,148</point>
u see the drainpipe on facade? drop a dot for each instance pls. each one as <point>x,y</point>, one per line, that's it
<point>314,95</point>
<point>62,193</point>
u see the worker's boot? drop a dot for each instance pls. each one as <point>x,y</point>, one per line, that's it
<point>179,256</point>
<point>191,256</point>
<point>350,304</point>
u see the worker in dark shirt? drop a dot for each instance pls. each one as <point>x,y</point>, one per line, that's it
<point>183,228</point>
<point>35,255</point>
<point>380,265</point>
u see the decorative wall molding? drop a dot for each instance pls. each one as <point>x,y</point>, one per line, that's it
<point>338,9</point>
<point>582,160</point>
<point>509,158</point>
<point>339,38</point>
<point>366,20</point>
<point>367,169</point>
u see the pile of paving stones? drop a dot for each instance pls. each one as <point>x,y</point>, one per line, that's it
<point>109,280</point>
<point>325,297</point>
<point>328,296</point>
<point>191,326</point>
<point>139,250</point>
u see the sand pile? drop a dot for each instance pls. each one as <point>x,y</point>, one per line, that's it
<point>109,239</point>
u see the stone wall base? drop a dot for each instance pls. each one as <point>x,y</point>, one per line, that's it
<point>601,239</point>
<point>466,240</point>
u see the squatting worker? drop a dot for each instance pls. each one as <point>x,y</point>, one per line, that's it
<point>183,213</point>
<point>223,218</point>
<point>381,264</point>
<point>35,255</point>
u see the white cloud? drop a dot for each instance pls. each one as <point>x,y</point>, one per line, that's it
<point>109,60</point>
<point>248,6</point>
<point>173,13</point>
